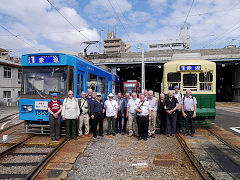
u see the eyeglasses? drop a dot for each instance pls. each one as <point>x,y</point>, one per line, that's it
<point>98,95</point>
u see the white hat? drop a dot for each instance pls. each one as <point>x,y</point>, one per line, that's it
<point>111,95</point>
<point>99,94</point>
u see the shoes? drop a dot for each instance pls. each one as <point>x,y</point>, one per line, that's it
<point>107,134</point>
<point>114,134</point>
<point>75,138</point>
<point>180,131</point>
<point>168,135</point>
<point>153,135</point>
<point>145,138</point>
<point>139,138</point>
<point>101,135</point>
<point>192,135</point>
<point>123,133</point>
<point>57,138</point>
<point>95,136</point>
<point>68,139</point>
<point>53,138</point>
<point>81,135</point>
<point>173,135</point>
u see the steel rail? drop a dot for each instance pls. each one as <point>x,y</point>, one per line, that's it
<point>13,147</point>
<point>202,172</point>
<point>7,128</point>
<point>4,119</point>
<point>234,148</point>
<point>33,174</point>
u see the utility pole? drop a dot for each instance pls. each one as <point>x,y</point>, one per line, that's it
<point>100,40</point>
<point>143,71</point>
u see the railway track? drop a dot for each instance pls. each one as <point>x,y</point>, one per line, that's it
<point>6,118</point>
<point>20,161</point>
<point>204,174</point>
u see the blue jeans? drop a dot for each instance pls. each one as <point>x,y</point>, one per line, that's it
<point>171,123</point>
<point>119,123</point>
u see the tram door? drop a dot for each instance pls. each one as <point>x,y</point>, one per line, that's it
<point>80,83</point>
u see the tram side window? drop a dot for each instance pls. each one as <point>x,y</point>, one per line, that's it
<point>78,84</point>
<point>205,80</point>
<point>81,82</point>
<point>102,85</point>
<point>71,80</point>
<point>92,83</point>
<point>173,79</point>
<point>190,80</point>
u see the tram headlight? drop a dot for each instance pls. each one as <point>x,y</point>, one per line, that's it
<point>24,108</point>
<point>30,108</point>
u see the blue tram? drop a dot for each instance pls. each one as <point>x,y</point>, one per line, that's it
<point>46,73</point>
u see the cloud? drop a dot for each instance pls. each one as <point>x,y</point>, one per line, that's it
<point>38,21</point>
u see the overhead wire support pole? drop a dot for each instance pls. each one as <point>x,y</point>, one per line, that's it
<point>143,71</point>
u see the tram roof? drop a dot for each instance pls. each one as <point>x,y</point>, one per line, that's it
<point>69,55</point>
<point>204,63</point>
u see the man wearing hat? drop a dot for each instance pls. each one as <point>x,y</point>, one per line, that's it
<point>54,109</point>
<point>178,95</point>
<point>97,110</point>
<point>111,107</point>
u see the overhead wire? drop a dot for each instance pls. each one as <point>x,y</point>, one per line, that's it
<point>118,19</point>
<point>188,13</point>
<point>17,36</point>
<point>69,21</point>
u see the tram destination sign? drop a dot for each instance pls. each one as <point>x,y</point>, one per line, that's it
<point>43,59</point>
<point>190,68</point>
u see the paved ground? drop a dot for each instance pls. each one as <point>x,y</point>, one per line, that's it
<point>228,117</point>
<point>122,157</point>
<point>5,111</point>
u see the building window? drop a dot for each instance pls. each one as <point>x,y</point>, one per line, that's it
<point>19,93</point>
<point>19,73</point>
<point>7,72</point>
<point>101,85</point>
<point>6,94</point>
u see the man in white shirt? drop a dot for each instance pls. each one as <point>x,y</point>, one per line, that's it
<point>111,107</point>
<point>131,115</point>
<point>144,114</point>
<point>154,106</point>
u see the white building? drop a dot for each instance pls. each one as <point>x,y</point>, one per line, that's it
<point>183,42</point>
<point>10,86</point>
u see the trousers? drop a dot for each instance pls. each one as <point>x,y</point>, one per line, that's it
<point>142,122</point>
<point>152,123</point>
<point>83,118</point>
<point>132,124</point>
<point>119,122</point>
<point>70,125</point>
<point>111,125</point>
<point>55,125</point>
<point>179,121</point>
<point>171,124</point>
<point>125,121</point>
<point>98,119</point>
<point>190,122</point>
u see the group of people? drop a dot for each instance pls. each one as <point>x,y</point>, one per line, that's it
<point>138,114</point>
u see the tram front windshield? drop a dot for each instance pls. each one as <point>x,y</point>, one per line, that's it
<point>130,87</point>
<point>44,80</point>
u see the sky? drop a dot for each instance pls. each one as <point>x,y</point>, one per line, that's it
<point>30,26</point>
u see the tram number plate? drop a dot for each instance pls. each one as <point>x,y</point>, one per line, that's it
<point>42,112</point>
<point>41,105</point>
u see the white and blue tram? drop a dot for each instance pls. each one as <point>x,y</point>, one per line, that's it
<point>44,74</point>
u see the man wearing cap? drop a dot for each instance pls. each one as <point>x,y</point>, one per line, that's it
<point>189,109</point>
<point>54,109</point>
<point>178,95</point>
<point>84,107</point>
<point>97,110</point>
<point>111,107</point>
